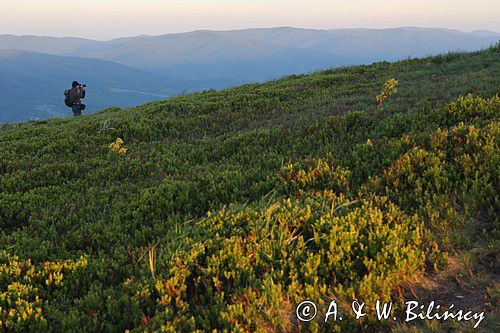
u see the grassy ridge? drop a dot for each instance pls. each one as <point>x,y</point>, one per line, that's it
<point>282,154</point>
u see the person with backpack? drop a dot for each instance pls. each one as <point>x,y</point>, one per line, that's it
<point>74,98</point>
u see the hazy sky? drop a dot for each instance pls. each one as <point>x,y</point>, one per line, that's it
<point>104,19</point>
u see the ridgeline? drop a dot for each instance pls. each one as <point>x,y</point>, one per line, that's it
<point>224,210</point>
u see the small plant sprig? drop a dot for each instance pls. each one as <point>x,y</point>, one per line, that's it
<point>390,88</point>
<point>118,147</point>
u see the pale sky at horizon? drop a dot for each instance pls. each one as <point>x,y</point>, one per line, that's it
<point>106,19</point>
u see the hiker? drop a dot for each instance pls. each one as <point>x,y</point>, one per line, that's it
<point>74,96</point>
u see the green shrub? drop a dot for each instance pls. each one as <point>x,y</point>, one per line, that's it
<point>255,264</point>
<point>25,289</point>
<point>370,199</point>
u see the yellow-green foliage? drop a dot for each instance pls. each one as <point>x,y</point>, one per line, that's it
<point>24,287</point>
<point>468,109</point>
<point>456,172</point>
<point>261,261</point>
<point>390,88</point>
<point>118,147</point>
<point>314,174</point>
<point>310,197</point>
<point>254,264</point>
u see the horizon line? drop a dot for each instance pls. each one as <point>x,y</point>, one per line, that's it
<point>251,28</point>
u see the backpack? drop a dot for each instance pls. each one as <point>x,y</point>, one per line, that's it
<point>68,100</point>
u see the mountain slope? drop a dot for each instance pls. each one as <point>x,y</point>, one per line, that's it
<point>225,58</point>
<point>32,84</point>
<point>157,66</point>
<point>314,193</point>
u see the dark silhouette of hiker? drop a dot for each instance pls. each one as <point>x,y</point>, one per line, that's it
<point>74,98</point>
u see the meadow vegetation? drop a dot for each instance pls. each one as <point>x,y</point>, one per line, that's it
<point>224,210</point>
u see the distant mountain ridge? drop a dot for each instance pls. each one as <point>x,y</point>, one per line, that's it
<point>173,63</point>
<point>183,47</point>
<point>485,33</point>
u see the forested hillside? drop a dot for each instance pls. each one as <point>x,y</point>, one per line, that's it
<point>224,210</point>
